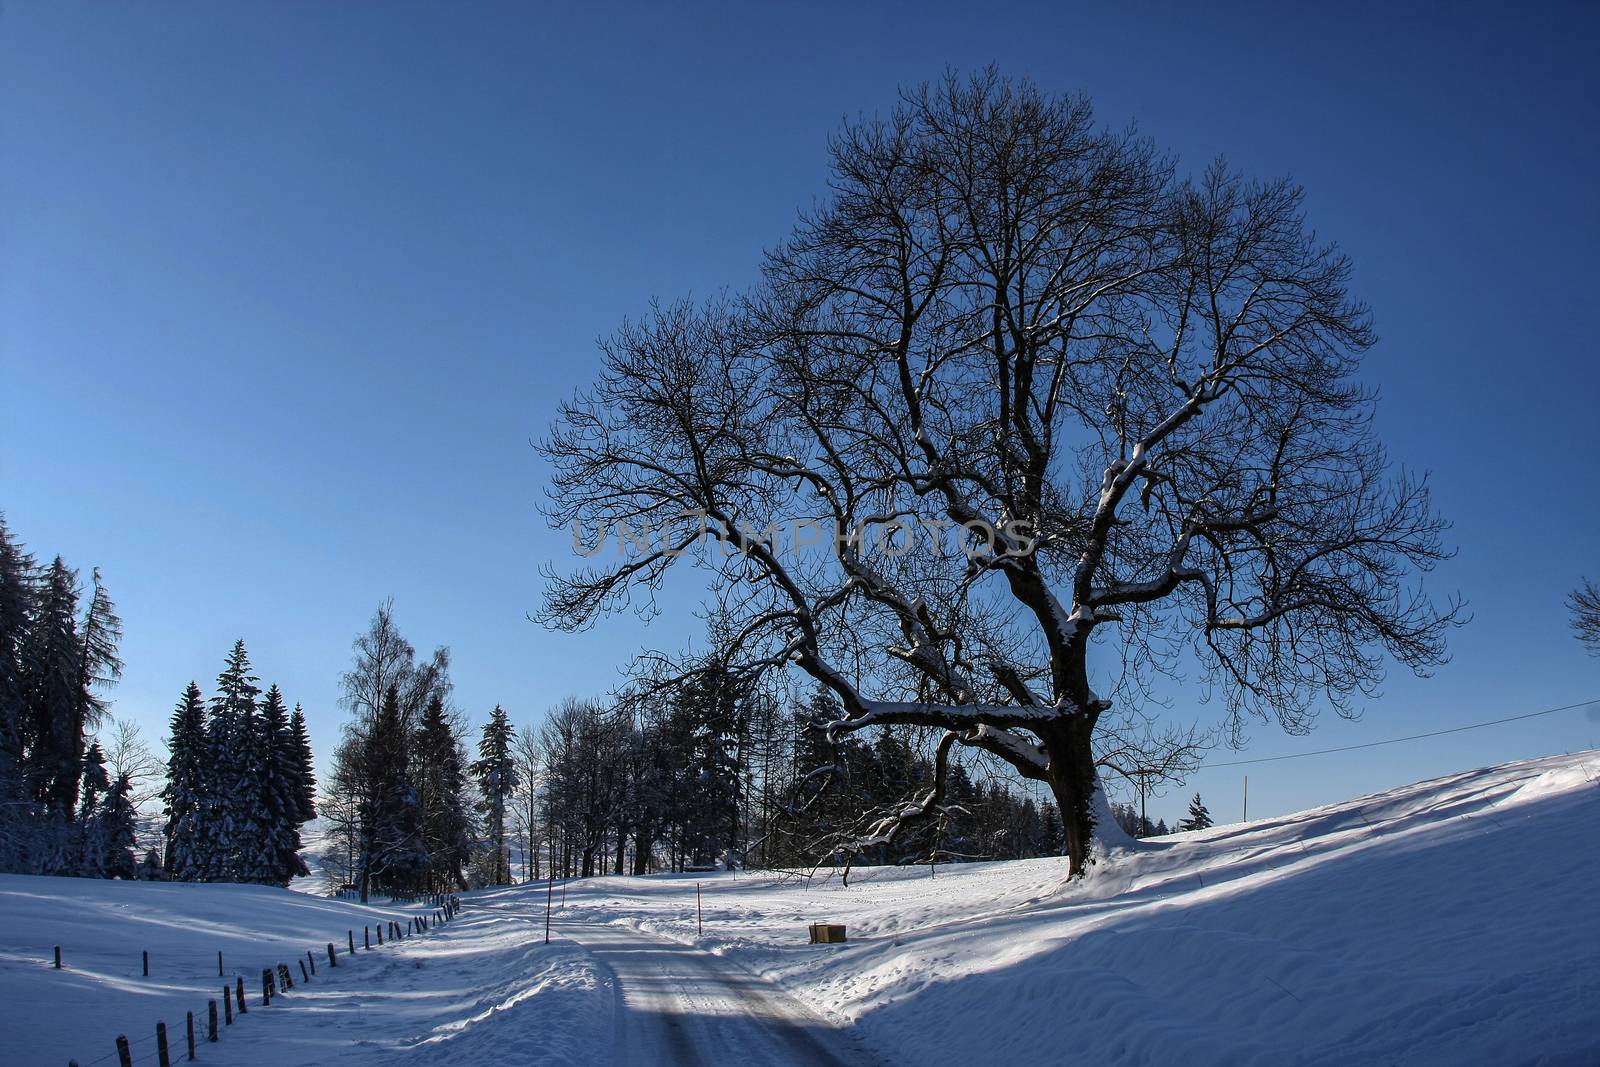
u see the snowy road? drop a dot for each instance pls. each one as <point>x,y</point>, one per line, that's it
<point>679,1005</point>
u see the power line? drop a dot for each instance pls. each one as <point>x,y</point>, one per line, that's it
<point>1397,740</point>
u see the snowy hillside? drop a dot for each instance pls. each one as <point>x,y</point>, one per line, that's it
<point>1448,922</point>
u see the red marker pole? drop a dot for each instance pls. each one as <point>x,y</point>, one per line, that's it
<point>699,915</point>
<point>549,896</point>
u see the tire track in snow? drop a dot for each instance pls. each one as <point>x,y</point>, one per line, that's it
<point>679,1005</point>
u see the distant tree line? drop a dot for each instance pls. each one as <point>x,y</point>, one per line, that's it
<point>240,782</point>
<point>705,768</point>
<point>61,810</point>
<point>707,771</point>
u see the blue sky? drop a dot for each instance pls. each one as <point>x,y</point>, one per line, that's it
<point>286,289</point>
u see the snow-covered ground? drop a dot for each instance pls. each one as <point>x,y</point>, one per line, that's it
<point>428,992</point>
<point>1453,921</point>
<point>1448,922</point>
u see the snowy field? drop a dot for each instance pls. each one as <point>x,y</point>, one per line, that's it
<point>1448,922</point>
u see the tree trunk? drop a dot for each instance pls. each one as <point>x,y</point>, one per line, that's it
<point>641,850</point>
<point>1073,782</point>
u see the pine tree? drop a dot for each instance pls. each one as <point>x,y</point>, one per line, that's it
<point>18,815</point>
<point>231,822</point>
<point>441,792</point>
<point>98,664</point>
<point>392,855</point>
<point>304,770</point>
<point>278,780</point>
<point>90,834</point>
<point>149,869</point>
<point>496,772</point>
<point>710,705</point>
<point>53,729</point>
<point>186,796</point>
<point>1199,818</point>
<point>118,831</point>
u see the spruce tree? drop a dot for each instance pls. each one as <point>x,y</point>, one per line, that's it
<point>305,777</point>
<point>394,856</point>
<point>277,860</point>
<point>1199,818</point>
<point>53,729</point>
<point>496,772</point>
<point>231,822</point>
<point>118,831</point>
<point>186,796</point>
<point>99,666</point>
<point>441,791</point>
<point>18,592</point>
<point>90,833</point>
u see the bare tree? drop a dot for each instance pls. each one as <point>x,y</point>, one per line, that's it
<point>1585,606</point>
<point>524,810</point>
<point>127,755</point>
<point>1046,397</point>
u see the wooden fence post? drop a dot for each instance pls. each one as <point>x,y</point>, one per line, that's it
<point>227,1004</point>
<point>58,957</point>
<point>124,1054</point>
<point>146,955</point>
<point>211,1028</point>
<point>333,961</point>
<point>366,938</point>
<point>244,1009</point>
<point>304,976</point>
<point>219,965</point>
<point>191,1035</point>
<point>266,987</point>
<point>313,960</point>
<point>351,934</point>
<point>161,1045</point>
<point>285,979</point>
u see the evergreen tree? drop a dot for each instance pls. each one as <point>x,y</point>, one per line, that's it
<point>305,778</point>
<point>98,664</point>
<point>441,791</point>
<point>231,822</point>
<point>278,780</point>
<point>18,815</point>
<point>118,831</point>
<point>1199,818</point>
<point>496,772</point>
<point>92,844</point>
<point>53,727</point>
<point>710,706</point>
<point>150,867</point>
<point>186,794</point>
<point>395,856</point>
<point>386,690</point>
